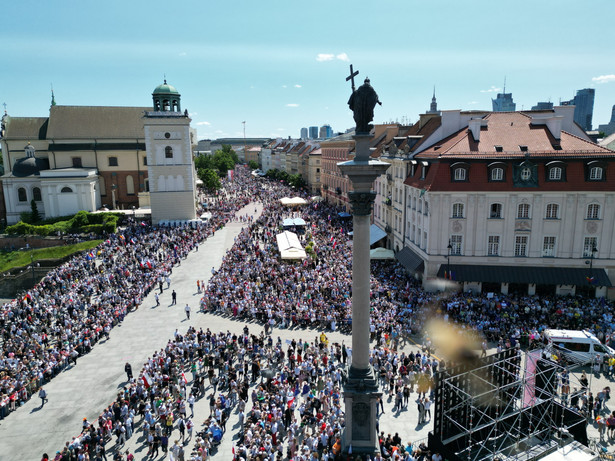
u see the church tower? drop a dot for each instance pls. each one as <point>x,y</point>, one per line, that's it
<point>171,174</point>
<point>433,109</point>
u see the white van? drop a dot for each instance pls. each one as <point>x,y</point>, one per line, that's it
<point>578,346</point>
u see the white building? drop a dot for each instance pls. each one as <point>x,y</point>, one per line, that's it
<point>513,201</point>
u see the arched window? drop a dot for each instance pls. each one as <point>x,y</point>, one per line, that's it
<point>523,211</point>
<point>552,211</point>
<point>497,174</point>
<point>22,194</point>
<point>168,152</point>
<point>147,185</point>
<point>457,210</point>
<point>460,174</point>
<point>179,182</point>
<point>555,173</point>
<point>593,211</point>
<point>130,185</point>
<point>595,173</point>
<point>161,184</point>
<point>66,190</point>
<point>36,194</point>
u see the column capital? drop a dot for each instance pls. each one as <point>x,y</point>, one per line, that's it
<point>361,202</point>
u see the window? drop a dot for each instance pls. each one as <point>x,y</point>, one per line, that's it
<point>593,211</point>
<point>130,185</point>
<point>498,148</point>
<point>552,211</point>
<point>496,211</point>
<point>36,194</point>
<point>66,190</point>
<point>456,243</point>
<point>424,239</point>
<point>521,245</point>
<point>590,247</point>
<point>460,174</point>
<point>523,211</point>
<point>595,173</point>
<point>548,247</point>
<point>77,162</point>
<point>493,245</point>
<point>497,174</point>
<point>168,152</point>
<point>526,173</point>
<point>147,185</point>
<point>555,174</point>
<point>523,148</point>
<point>112,161</point>
<point>458,210</point>
<point>145,161</point>
<point>22,195</point>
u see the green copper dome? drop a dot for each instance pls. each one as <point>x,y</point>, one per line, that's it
<point>165,88</point>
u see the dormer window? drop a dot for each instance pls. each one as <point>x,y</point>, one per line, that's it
<point>460,172</point>
<point>496,172</point>
<point>555,171</point>
<point>526,173</point>
<point>498,148</point>
<point>523,148</point>
<point>595,171</point>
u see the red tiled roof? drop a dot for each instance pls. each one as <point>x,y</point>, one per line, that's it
<point>511,130</point>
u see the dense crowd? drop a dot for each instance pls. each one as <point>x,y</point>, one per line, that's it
<point>294,412</point>
<point>75,306</point>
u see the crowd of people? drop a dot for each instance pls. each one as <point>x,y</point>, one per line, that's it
<point>296,412</point>
<point>47,328</point>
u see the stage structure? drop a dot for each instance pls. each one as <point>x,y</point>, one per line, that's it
<point>505,406</point>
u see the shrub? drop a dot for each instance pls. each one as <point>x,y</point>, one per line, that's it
<point>79,220</point>
<point>21,228</point>
<point>92,228</point>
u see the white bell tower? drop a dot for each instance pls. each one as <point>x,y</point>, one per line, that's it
<point>172,178</point>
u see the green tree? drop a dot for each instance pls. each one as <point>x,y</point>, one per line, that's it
<point>203,162</point>
<point>35,216</point>
<point>253,165</point>
<point>296,181</point>
<point>224,159</point>
<point>210,179</point>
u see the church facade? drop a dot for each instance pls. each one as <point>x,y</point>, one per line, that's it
<point>88,157</point>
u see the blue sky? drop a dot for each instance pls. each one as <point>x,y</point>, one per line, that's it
<point>281,65</point>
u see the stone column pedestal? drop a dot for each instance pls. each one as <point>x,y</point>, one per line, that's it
<point>361,389</point>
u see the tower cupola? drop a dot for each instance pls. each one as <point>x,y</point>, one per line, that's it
<point>166,98</point>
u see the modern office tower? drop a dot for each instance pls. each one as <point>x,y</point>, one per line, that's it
<point>326,132</point>
<point>583,104</point>
<point>304,133</point>
<point>543,106</point>
<point>313,132</point>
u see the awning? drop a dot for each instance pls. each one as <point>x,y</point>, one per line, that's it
<point>381,253</point>
<point>295,201</point>
<point>527,274</point>
<point>288,222</point>
<point>410,260</point>
<point>343,214</point>
<point>375,234</point>
<point>289,246</point>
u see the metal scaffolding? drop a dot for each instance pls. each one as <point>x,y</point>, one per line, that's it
<point>503,405</point>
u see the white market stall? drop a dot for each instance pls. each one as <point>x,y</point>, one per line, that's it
<point>289,246</point>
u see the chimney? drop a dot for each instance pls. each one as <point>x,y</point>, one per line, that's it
<point>474,126</point>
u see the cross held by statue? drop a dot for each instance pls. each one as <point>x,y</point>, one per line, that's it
<point>351,77</point>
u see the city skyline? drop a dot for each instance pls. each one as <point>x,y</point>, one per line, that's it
<point>280,66</point>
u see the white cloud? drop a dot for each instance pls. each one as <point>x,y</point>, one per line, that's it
<point>330,57</point>
<point>297,86</point>
<point>604,79</point>
<point>292,105</point>
<point>471,103</point>
<point>183,53</point>
<point>193,113</point>
<point>284,86</point>
<point>493,89</point>
<point>343,57</point>
<point>203,123</point>
<point>281,129</point>
<point>218,131</point>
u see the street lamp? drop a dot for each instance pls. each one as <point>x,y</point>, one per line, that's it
<point>32,266</point>
<point>448,260</point>
<point>591,264</point>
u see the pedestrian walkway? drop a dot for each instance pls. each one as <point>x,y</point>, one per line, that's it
<point>83,391</point>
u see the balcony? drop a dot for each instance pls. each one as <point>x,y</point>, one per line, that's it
<point>389,177</point>
<point>388,229</point>
<point>388,202</point>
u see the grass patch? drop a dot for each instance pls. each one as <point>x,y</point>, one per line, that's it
<point>11,259</point>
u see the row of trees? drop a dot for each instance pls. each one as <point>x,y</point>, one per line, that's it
<point>293,180</point>
<point>210,168</point>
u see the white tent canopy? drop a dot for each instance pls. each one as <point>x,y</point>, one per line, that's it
<point>295,201</point>
<point>293,222</point>
<point>381,253</point>
<point>289,246</point>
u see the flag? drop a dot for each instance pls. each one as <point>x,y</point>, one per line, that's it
<point>143,223</point>
<point>147,379</point>
<point>290,402</point>
<point>133,241</point>
<point>590,280</point>
<point>184,378</point>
